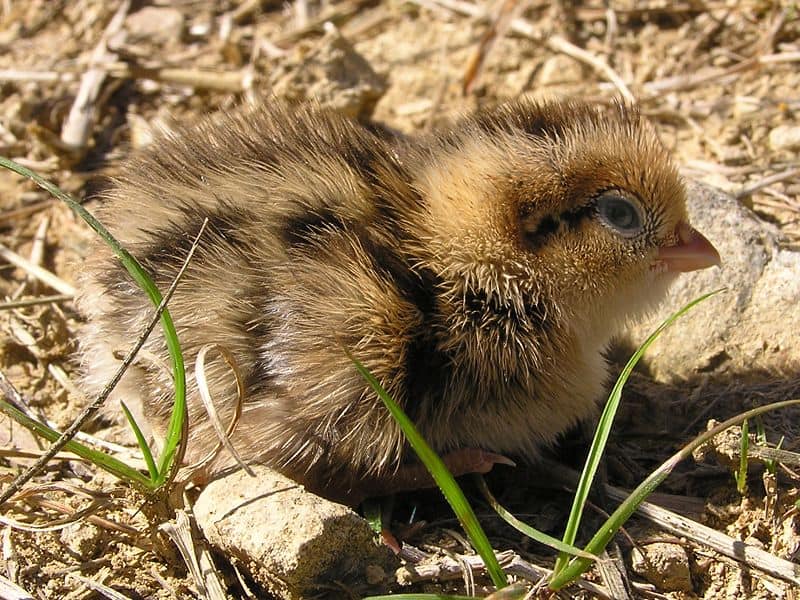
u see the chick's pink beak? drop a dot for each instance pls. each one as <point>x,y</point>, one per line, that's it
<point>692,252</point>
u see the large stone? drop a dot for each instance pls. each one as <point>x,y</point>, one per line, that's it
<point>751,326</point>
<point>290,541</point>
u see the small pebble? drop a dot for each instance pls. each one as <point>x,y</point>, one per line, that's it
<point>158,25</point>
<point>785,137</point>
<point>83,539</point>
<point>664,565</point>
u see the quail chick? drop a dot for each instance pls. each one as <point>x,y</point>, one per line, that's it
<point>478,272</point>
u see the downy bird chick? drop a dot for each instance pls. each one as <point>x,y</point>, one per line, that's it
<point>478,272</point>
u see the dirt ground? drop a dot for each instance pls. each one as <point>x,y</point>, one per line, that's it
<point>719,79</point>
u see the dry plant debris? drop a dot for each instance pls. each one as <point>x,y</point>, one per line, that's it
<point>84,81</point>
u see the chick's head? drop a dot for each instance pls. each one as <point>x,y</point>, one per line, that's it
<point>573,209</point>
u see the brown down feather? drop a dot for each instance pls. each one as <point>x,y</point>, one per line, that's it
<point>467,269</point>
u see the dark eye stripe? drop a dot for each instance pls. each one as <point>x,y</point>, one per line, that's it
<point>549,225</point>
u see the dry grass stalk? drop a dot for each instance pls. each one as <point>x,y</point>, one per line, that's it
<point>554,42</point>
<point>25,211</point>
<point>498,26</point>
<point>11,591</point>
<point>336,14</point>
<point>234,81</point>
<point>223,434</point>
<point>196,556</point>
<point>33,498</point>
<point>36,257</point>
<point>655,89</point>
<point>448,569</point>
<point>94,406</point>
<point>78,126</point>
<point>615,576</point>
<point>752,556</point>
<point>25,76</point>
<point>749,189</point>
<point>13,453</point>
<point>222,81</point>
<point>36,271</point>
<point>95,586</point>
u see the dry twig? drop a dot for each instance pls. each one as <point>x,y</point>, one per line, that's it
<point>554,42</point>
<point>25,302</point>
<point>692,80</point>
<point>749,189</point>
<point>78,126</point>
<point>25,211</point>
<point>36,271</point>
<point>196,556</point>
<point>496,30</point>
<point>11,591</point>
<point>748,554</point>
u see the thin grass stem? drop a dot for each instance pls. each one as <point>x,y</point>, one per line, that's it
<point>443,478</point>
<point>604,430</point>
<point>579,565</point>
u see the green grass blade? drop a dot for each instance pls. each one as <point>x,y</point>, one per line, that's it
<point>579,565</point>
<point>101,459</point>
<point>604,430</point>
<point>761,438</point>
<point>148,456</point>
<point>526,529</point>
<point>420,597</point>
<point>445,481</point>
<point>373,511</point>
<point>744,449</point>
<point>144,281</point>
<point>516,591</point>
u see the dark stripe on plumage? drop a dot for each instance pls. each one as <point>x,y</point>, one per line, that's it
<point>168,247</point>
<point>547,120</point>
<point>260,380</point>
<point>426,368</point>
<point>550,225</point>
<point>171,244</point>
<point>484,309</point>
<point>306,228</point>
<point>370,159</point>
<point>365,160</point>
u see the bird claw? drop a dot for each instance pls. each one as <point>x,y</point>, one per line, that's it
<point>412,477</point>
<point>474,460</point>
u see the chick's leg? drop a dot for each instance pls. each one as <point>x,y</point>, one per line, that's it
<point>415,476</point>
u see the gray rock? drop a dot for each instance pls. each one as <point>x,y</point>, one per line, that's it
<point>754,324</point>
<point>290,541</point>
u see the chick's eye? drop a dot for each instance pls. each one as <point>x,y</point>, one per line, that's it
<point>619,213</point>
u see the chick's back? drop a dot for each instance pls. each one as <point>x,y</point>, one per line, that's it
<point>300,258</point>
